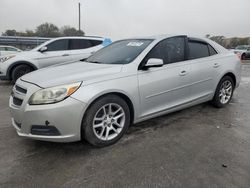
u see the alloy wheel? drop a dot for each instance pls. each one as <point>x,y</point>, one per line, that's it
<point>226,91</point>
<point>109,121</point>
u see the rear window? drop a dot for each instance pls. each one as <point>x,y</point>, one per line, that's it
<point>77,44</point>
<point>198,50</point>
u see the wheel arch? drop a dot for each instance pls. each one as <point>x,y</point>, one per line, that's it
<point>10,69</point>
<point>119,94</point>
<point>232,76</point>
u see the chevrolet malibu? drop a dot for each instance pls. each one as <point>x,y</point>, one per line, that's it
<point>126,82</point>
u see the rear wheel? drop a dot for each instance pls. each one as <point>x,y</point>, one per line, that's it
<point>19,71</point>
<point>106,121</point>
<point>243,56</point>
<point>224,92</point>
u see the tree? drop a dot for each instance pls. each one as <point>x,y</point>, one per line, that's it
<point>207,36</point>
<point>29,33</point>
<point>71,31</point>
<point>10,32</point>
<point>219,39</point>
<point>47,30</point>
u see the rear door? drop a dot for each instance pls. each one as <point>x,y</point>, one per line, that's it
<point>165,87</point>
<point>83,48</point>
<point>57,52</point>
<point>205,69</point>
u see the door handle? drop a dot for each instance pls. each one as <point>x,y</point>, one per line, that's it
<point>216,65</point>
<point>65,55</point>
<point>183,73</point>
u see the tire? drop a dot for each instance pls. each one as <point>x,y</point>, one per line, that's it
<point>96,125</point>
<point>222,95</point>
<point>243,57</point>
<point>19,71</point>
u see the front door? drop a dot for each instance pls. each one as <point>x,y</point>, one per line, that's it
<point>165,87</point>
<point>57,52</point>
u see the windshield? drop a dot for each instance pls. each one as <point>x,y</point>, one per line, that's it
<point>120,52</point>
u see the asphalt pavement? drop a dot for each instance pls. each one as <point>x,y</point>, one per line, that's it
<point>200,146</point>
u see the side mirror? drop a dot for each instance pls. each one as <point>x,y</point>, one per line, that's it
<point>153,62</point>
<point>43,49</point>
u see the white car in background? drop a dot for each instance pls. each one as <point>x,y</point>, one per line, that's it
<point>243,51</point>
<point>55,51</point>
<point>8,50</point>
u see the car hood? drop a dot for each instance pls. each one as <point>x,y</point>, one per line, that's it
<point>71,73</point>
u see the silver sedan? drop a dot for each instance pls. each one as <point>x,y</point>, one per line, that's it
<point>126,82</point>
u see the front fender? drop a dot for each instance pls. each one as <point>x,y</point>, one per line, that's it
<point>14,64</point>
<point>89,93</point>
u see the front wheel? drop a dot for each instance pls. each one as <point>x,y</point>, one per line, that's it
<point>106,121</point>
<point>224,92</point>
<point>19,71</point>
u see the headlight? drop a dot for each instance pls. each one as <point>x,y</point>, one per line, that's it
<point>5,58</point>
<point>54,94</point>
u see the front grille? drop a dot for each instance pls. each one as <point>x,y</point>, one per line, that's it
<point>18,93</point>
<point>17,102</point>
<point>20,89</point>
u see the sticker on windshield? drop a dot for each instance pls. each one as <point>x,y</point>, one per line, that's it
<point>135,44</point>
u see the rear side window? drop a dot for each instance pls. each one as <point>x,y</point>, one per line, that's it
<point>170,50</point>
<point>2,49</point>
<point>96,42</point>
<point>197,50</point>
<point>58,45</point>
<point>211,50</point>
<point>77,44</point>
<point>11,49</point>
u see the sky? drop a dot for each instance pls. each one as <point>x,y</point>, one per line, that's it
<point>127,18</point>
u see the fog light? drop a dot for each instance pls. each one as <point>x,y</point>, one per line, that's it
<point>44,130</point>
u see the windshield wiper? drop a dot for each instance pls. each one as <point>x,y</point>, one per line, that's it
<point>94,62</point>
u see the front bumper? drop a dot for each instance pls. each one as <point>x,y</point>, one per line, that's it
<point>65,117</point>
<point>3,73</point>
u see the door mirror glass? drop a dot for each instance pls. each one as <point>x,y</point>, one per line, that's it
<point>154,62</point>
<point>43,49</point>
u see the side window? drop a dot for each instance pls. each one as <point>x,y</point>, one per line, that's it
<point>170,50</point>
<point>11,49</point>
<point>96,42</point>
<point>197,50</point>
<point>77,44</point>
<point>2,49</point>
<point>58,45</point>
<point>211,50</point>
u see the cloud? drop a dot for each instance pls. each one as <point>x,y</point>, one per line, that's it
<point>126,18</point>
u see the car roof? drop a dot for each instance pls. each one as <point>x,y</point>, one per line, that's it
<point>79,37</point>
<point>161,37</point>
<point>158,38</point>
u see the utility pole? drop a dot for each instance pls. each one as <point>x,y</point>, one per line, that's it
<point>79,5</point>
